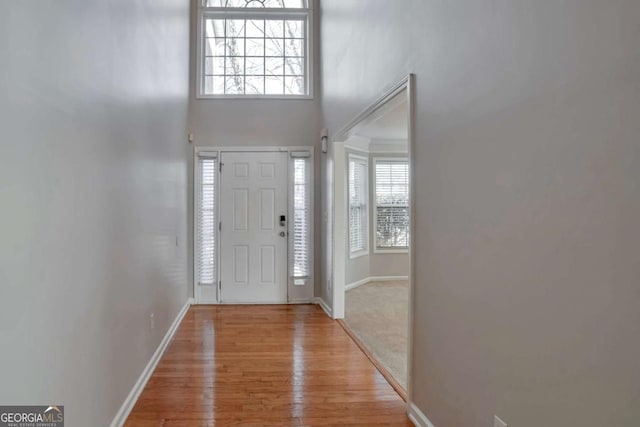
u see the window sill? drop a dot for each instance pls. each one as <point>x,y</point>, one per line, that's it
<point>383,251</point>
<point>359,254</point>
<point>255,97</point>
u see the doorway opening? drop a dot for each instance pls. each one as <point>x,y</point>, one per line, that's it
<point>253,225</point>
<point>372,205</point>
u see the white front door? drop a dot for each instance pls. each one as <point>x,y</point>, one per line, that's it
<point>253,241</point>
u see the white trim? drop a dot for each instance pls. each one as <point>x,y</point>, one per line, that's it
<point>343,134</point>
<point>374,279</point>
<point>339,239</point>
<point>358,143</point>
<point>410,88</point>
<point>371,146</point>
<point>252,149</point>
<point>357,284</point>
<point>231,302</point>
<point>417,417</point>
<point>358,254</point>
<point>134,394</point>
<point>389,250</point>
<point>388,146</point>
<point>388,278</point>
<point>323,305</point>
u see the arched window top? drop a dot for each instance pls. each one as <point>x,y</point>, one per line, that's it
<point>264,4</point>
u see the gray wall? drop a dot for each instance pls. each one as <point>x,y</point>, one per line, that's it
<point>527,249</point>
<point>93,114</point>
<point>253,123</point>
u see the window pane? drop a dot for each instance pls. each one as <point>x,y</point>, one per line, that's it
<point>235,28</point>
<point>392,204</point>
<point>255,47</point>
<point>206,234</point>
<point>294,66</point>
<point>254,85</point>
<point>274,28</point>
<point>393,227</point>
<point>294,47</point>
<point>214,37</point>
<point>254,66</point>
<point>214,47</point>
<point>257,3</point>
<point>274,47</point>
<point>234,66</point>
<point>214,65</point>
<point>294,29</point>
<point>214,28</point>
<point>294,85</point>
<point>274,66</point>
<point>234,47</point>
<point>301,218</point>
<point>214,85</point>
<point>255,28</point>
<point>234,85</point>
<point>274,85</point>
<point>295,3</point>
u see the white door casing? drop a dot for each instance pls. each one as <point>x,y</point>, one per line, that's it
<point>253,197</point>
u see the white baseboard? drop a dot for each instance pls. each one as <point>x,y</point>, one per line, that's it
<point>374,279</point>
<point>323,305</point>
<point>134,394</point>
<point>417,417</point>
<point>357,284</point>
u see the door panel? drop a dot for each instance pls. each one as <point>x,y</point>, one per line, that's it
<point>240,265</point>
<point>240,209</point>
<point>253,253</point>
<point>267,265</point>
<point>267,209</point>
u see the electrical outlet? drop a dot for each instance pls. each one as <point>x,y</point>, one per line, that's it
<point>497,422</point>
<point>152,321</point>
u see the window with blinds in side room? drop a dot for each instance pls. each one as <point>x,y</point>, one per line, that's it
<point>391,204</point>
<point>358,212</point>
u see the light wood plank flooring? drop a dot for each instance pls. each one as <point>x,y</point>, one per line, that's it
<point>265,366</point>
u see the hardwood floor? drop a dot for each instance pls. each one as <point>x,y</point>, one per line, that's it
<point>265,366</point>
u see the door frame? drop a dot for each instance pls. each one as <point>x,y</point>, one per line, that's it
<point>253,149</point>
<point>339,247</point>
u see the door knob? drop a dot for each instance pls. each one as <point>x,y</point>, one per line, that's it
<point>282,234</point>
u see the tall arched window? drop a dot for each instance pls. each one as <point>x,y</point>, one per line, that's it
<point>255,48</point>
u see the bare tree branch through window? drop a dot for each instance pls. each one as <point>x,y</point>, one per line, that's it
<point>262,54</point>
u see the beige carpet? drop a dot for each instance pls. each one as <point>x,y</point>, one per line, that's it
<point>378,314</point>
